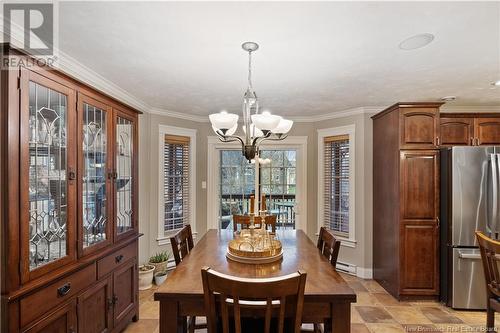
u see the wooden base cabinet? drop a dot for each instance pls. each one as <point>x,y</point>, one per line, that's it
<point>406,194</point>
<point>69,204</point>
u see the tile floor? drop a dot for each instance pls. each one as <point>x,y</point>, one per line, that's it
<point>375,312</point>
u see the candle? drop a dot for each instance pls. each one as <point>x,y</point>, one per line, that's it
<point>252,202</point>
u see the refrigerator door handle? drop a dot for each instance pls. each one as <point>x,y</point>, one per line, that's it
<point>494,183</point>
<point>475,256</point>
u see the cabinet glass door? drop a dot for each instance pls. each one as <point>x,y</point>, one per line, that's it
<point>124,175</point>
<point>94,164</point>
<point>47,162</point>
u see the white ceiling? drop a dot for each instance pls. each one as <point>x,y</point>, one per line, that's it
<point>315,58</point>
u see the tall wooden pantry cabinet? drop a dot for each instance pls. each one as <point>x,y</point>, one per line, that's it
<point>406,194</point>
<point>69,204</point>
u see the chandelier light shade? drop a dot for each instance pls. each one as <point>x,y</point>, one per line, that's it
<point>223,121</point>
<point>257,126</point>
<point>283,127</point>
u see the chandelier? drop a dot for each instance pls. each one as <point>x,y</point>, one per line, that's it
<point>257,127</point>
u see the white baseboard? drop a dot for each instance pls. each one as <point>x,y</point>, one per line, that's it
<point>364,273</point>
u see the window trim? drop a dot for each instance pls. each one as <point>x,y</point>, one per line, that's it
<point>164,238</point>
<point>349,130</point>
<point>213,165</point>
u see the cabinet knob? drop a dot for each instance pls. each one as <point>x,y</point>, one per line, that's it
<point>64,290</point>
<point>119,258</point>
<point>71,174</point>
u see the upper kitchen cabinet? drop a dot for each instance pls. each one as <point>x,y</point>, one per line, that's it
<point>456,131</point>
<point>470,129</point>
<point>419,125</point>
<point>487,131</point>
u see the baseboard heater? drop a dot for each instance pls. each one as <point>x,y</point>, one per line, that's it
<point>346,268</point>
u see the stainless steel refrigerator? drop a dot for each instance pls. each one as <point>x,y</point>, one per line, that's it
<point>470,201</point>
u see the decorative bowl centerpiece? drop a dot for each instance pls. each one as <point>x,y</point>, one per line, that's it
<point>254,246</point>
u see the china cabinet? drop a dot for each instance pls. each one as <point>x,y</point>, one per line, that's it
<point>69,209</point>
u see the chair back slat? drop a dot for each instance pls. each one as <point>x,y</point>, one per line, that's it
<point>328,245</point>
<point>262,295</point>
<point>244,221</point>
<point>182,243</point>
<point>490,255</point>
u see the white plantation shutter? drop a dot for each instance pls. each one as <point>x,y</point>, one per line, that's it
<point>336,178</point>
<point>176,182</point>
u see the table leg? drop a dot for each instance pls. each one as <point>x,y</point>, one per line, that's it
<point>341,317</point>
<point>169,317</point>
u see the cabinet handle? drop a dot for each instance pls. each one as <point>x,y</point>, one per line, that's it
<point>64,290</point>
<point>71,174</point>
<point>110,174</point>
<point>477,142</point>
<point>438,141</point>
<point>115,299</point>
<point>472,141</point>
<point>119,258</point>
<point>110,303</point>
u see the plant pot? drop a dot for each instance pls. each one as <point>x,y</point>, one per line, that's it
<point>146,276</point>
<point>160,278</point>
<point>159,266</point>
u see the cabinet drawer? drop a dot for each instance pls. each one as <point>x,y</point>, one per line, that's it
<point>37,304</point>
<point>115,259</point>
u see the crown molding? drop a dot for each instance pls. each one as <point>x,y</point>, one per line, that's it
<point>178,115</point>
<point>469,108</point>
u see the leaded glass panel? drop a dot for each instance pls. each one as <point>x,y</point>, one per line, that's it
<point>47,175</point>
<point>124,181</point>
<point>94,200</point>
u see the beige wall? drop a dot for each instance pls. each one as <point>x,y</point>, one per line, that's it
<point>148,182</point>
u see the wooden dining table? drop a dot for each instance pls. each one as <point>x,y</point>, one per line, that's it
<point>327,296</point>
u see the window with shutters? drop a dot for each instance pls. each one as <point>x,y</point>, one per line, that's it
<point>336,181</point>
<point>176,181</point>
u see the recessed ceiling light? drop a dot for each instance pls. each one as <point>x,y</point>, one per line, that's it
<point>496,83</point>
<point>416,42</point>
<point>449,98</point>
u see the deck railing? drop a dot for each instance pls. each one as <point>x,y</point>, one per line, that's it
<point>280,205</point>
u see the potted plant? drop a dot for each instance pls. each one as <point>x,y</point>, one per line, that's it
<point>146,276</point>
<point>160,277</point>
<point>160,261</point>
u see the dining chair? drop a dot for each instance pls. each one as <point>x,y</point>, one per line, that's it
<point>490,256</point>
<point>329,247</point>
<point>244,221</point>
<point>260,297</point>
<point>182,243</point>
